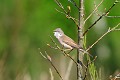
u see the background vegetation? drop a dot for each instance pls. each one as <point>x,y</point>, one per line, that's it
<point>25,26</point>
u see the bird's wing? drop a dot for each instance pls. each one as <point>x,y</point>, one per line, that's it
<point>69,41</point>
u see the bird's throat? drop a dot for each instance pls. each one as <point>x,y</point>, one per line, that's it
<point>57,35</point>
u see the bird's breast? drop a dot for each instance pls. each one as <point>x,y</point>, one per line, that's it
<point>65,45</point>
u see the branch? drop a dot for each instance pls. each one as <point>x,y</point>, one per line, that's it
<point>96,11</point>
<point>116,77</point>
<point>60,5</point>
<point>67,74</point>
<point>51,74</point>
<point>109,30</point>
<point>80,40</point>
<point>74,3</point>
<point>47,57</point>
<point>66,13</point>
<point>64,53</point>
<point>113,16</point>
<point>93,11</point>
<point>104,14</point>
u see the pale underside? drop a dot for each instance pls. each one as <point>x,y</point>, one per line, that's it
<point>67,42</point>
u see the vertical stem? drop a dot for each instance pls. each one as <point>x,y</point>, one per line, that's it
<point>80,40</point>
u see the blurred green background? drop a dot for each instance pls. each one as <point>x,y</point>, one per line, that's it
<point>25,26</point>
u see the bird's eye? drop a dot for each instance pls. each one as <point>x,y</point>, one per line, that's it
<point>60,34</point>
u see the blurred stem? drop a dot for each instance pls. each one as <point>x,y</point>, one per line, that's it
<point>80,39</point>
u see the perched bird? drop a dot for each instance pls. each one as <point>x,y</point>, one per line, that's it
<point>66,41</point>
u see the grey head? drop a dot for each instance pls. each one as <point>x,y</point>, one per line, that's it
<point>59,30</point>
<point>58,33</point>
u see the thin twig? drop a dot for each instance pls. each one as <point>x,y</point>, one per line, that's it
<point>116,77</point>
<point>51,74</point>
<point>47,57</point>
<point>67,75</point>
<point>109,30</point>
<point>93,11</point>
<point>113,16</point>
<point>43,55</point>
<point>74,3</point>
<point>65,12</point>
<point>60,5</point>
<point>60,11</point>
<point>68,16</point>
<point>97,9</point>
<point>51,46</point>
<point>104,14</point>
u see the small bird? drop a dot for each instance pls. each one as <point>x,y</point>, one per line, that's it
<point>66,41</point>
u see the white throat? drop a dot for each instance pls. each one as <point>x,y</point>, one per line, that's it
<point>57,35</point>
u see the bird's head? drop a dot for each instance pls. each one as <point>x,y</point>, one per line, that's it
<point>58,33</point>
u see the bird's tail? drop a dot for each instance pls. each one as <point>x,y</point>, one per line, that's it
<point>85,52</point>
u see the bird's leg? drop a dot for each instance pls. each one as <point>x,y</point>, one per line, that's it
<point>64,50</point>
<point>85,52</point>
<point>69,50</point>
<point>62,47</point>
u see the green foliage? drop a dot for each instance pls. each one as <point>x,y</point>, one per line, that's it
<point>93,72</point>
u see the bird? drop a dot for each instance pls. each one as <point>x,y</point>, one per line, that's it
<point>66,41</point>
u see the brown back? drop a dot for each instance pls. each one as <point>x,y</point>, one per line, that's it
<point>69,41</point>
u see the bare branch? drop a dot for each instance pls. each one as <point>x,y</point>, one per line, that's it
<point>86,71</point>
<point>47,57</point>
<point>109,30</point>
<point>117,29</point>
<point>74,3</point>
<point>93,11</point>
<point>51,74</point>
<point>96,11</point>
<point>67,14</point>
<point>113,16</point>
<point>80,40</point>
<point>67,75</point>
<point>51,46</point>
<point>60,11</point>
<point>116,77</point>
<point>43,55</point>
<point>104,14</point>
<point>60,5</point>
